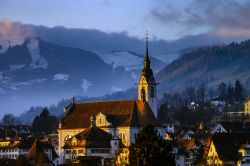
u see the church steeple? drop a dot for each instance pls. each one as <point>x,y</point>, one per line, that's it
<point>147,85</point>
<point>147,71</point>
<point>146,60</point>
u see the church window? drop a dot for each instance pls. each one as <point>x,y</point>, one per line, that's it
<point>143,94</point>
<point>100,121</point>
<point>152,92</point>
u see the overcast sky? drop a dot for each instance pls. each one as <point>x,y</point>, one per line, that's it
<point>167,19</point>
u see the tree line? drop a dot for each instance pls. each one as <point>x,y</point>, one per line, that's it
<point>44,123</point>
<point>224,92</point>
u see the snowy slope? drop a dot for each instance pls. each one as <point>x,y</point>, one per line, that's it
<point>130,61</point>
<point>123,59</point>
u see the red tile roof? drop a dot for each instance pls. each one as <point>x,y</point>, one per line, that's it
<point>125,113</point>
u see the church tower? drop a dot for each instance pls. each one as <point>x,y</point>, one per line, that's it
<point>147,85</point>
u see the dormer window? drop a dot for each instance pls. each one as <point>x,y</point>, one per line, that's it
<point>101,120</point>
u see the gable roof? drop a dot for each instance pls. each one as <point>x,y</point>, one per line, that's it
<point>37,154</point>
<point>92,137</point>
<point>228,144</point>
<point>236,127</point>
<point>35,148</point>
<point>124,113</point>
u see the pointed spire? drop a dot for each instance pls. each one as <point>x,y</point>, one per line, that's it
<point>146,43</point>
<point>147,61</point>
<point>92,119</point>
<point>73,100</point>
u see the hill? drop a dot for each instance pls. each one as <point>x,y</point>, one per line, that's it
<point>210,65</point>
<point>40,73</point>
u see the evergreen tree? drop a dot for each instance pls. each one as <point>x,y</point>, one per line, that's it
<point>44,123</point>
<point>222,91</point>
<point>239,91</point>
<point>230,95</point>
<point>150,149</point>
<point>201,92</point>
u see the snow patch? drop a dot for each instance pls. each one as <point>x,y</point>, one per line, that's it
<point>123,59</point>
<point>4,46</point>
<point>38,61</point>
<point>167,58</point>
<point>61,76</point>
<point>85,85</point>
<point>16,67</point>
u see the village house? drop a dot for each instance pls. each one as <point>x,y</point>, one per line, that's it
<point>227,149</point>
<point>247,106</point>
<point>91,142</point>
<point>231,127</point>
<point>13,148</point>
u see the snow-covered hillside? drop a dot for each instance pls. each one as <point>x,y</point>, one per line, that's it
<point>129,61</point>
<point>123,59</point>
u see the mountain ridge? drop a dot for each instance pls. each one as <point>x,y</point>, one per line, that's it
<point>210,65</point>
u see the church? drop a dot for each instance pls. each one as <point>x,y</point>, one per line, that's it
<point>114,120</point>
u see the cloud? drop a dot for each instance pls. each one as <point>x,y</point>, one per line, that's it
<point>14,32</point>
<point>61,76</point>
<point>85,85</point>
<point>229,15</point>
<point>232,32</point>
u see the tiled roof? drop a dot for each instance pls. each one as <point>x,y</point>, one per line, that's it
<point>92,137</point>
<point>125,113</point>
<point>27,144</point>
<point>37,154</point>
<point>228,144</point>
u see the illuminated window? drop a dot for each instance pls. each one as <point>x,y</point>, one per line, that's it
<point>67,137</point>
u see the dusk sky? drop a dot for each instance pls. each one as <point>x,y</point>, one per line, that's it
<point>162,18</point>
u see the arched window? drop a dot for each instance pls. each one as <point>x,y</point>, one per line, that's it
<point>143,94</point>
<point>152,92</point>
